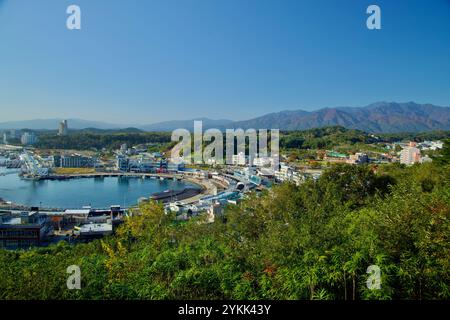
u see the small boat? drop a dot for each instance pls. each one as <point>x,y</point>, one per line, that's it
<point>161,178</point>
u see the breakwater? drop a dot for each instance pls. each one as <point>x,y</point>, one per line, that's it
<point>175,195</point>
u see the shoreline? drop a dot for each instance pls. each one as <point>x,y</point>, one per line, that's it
<point>205,188</point>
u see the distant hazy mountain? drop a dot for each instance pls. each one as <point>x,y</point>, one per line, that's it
<point>187,124</point>
<point>109,131</point>
<point>377,117</point>
<point>52,124</point>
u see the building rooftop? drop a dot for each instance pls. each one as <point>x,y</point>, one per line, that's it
<point>77,211</point>
<point>13,221</point>
<point>96,227</point>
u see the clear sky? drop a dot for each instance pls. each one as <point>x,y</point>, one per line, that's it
<point>144,61</point>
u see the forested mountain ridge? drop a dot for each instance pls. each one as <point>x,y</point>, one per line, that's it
<point>381,117</point>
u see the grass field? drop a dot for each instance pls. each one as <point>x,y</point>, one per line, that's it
<point>73,170</point>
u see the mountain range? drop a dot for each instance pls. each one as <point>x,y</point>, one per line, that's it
<point>380,117</point>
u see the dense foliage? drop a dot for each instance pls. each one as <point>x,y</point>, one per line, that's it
<point>415,136</point>
<point>90,140</point>
<point>337,136</point>
<point>325,137</point>
<point>315,241</point>
<point>318,138</point>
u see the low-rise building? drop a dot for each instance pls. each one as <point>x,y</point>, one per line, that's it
<point>284,173</point>
<point>142,165</point>
<point>93,230</point>
<point>358,158</point>
<point>333,156</point>
<point>430,145</point>
<point>425,159</point>
<point>76,161</point>
<point>174,167</point>
<point>24,230</point>
<point>263,161</point>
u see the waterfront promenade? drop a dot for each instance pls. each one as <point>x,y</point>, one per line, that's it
<point>112,174</point>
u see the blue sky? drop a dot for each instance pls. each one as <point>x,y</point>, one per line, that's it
<point>144,61</point>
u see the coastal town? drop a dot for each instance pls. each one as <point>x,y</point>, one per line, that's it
<point>215,159</point>
<point>210,187</point>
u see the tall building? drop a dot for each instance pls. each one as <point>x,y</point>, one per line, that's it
<point>14,134</point>
<point>28,138</point>
<point>62,130</point>
<point>410,155</point>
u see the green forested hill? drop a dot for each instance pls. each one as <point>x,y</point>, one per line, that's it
<point>85,140</point>
<point>334,136</point>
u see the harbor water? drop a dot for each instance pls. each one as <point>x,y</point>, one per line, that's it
<point>75,193</point>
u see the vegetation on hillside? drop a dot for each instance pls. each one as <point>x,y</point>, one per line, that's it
<point>415,136</point>
<point>330,137</point>
<point>315,241</point>
<point>322,138</point>
<point>87,141</point>
<point>319,138</point>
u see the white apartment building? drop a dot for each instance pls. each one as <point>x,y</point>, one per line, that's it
<point>28,138</point>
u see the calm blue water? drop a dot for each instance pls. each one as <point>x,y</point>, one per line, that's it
<point>75,193</point>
